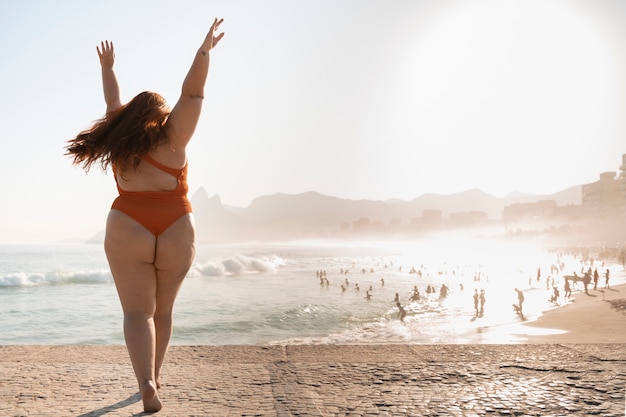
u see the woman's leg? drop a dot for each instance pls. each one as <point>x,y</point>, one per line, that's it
<point>175,251</point>
<point>130,250</point>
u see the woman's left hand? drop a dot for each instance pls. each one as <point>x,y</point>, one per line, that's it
<point>107,54</point>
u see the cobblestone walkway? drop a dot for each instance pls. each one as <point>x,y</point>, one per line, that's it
<point>321,380</point>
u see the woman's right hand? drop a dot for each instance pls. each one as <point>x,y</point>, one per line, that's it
<point>107,54</point>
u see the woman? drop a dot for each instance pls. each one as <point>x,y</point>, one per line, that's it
<point>149,240</point>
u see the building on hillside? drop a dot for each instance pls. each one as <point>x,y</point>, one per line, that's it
<point>605,199</point>
<point>622,187</point>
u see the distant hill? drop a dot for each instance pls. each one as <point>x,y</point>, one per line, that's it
<point>313,214</point>
<point>213,219</point>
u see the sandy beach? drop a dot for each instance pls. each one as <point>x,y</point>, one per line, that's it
<point>588,318</point>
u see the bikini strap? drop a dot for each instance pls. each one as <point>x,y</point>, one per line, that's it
<point>172,171</point>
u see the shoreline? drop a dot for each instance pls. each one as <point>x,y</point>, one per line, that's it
<point>587,318</point>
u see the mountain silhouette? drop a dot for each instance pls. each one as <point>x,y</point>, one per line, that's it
<point>311,214</point>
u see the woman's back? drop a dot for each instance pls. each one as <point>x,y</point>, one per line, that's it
<point>148,177</point>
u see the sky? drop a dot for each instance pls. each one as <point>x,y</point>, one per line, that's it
<point>357,99</point>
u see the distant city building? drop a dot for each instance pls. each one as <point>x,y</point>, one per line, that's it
<point>432,217</point>
<point>524,211</point>
<point>606,198</point>
<point>602,200</point>
<point>467,218</point>
<point>622,186</point>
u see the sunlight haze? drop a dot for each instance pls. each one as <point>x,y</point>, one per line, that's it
<point>353,99</point>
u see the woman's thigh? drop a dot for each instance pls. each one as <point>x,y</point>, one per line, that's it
<point>175,251</point>
<point>130,250</point>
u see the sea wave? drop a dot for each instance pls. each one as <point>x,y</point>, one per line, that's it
<point>233,265</point>
<point>239,264</point>
<point>24,279</point>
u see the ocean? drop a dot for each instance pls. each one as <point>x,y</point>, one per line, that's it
<point>291,292</point>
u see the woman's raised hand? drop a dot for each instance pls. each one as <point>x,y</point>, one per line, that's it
<point>107,54</point>
<point>211,40</point>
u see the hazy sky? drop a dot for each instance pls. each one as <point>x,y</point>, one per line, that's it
<point>359,99</point>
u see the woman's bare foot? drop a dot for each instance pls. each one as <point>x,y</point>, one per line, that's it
<point>150,397</point>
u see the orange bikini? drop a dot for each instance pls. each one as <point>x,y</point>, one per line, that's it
<point>156,210</point>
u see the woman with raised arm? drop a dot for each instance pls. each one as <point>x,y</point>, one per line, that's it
<point>149,239</point>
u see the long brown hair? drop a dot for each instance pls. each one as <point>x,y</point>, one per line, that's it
<point>124,135</point>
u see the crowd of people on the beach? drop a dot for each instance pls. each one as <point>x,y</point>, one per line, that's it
<point>430,293</point>
<point>479,296</point>
<point>588,274</point>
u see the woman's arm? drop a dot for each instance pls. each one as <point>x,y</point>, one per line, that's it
<point>185,115</point>
<point>109,80</point>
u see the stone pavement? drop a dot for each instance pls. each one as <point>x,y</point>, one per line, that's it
<point>321,380</point>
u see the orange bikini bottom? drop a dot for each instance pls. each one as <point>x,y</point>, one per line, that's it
<point>154,210</point>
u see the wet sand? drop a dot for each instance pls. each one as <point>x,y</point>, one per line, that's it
<point>587,319</point>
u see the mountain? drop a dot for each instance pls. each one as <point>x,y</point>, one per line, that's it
<point>212,219</point>
<point>311,214</point>
<point>567,197</point>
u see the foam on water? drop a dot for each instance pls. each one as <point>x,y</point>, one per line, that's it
<point>238,264</point>
<point>27,279</point>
